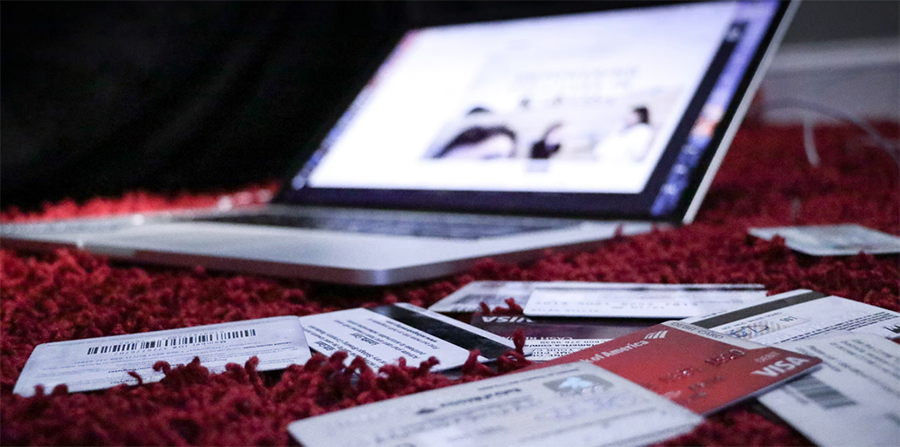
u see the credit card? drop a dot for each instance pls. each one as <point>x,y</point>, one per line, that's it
<point>493,293</point>
<point>854,399</point>
<point>104,362</point>
<point>801,314</point>
<point>663,301</point>
<point>383,334</point>
<point>832,240</point>
<point>699,369</point>
<point>575,405</point>
<point>550,338</point>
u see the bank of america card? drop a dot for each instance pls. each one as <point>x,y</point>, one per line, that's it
<point>383,334</point>
<point>104,362</point>
<point>616,300</point>
<point>832,240</point>
<point>699,369</point>
<point>801,314</point>
<point>854,399</point>
<point>575,405</point>
<point>550,338</point>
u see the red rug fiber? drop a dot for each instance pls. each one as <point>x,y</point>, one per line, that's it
<point>765,180</point>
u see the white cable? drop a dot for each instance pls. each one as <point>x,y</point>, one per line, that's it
<point>891,147</point>
<point>809,141</point>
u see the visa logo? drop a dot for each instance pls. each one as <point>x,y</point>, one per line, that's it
<point>505,319</point>
<point>781,367</point>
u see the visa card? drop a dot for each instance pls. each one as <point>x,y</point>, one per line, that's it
<point>701,370</point>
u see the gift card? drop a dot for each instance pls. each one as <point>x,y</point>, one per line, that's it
<point>104,362</point>
<point>383,334</point>
<point>832,240</point>
<point>495,293</point>
<point>663,301</point>
<point>854,399</point>
<point>574,405</point>
<point>636,300</point>
<point>550,338</point>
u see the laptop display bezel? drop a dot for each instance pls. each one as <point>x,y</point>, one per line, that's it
<point>558,204</point>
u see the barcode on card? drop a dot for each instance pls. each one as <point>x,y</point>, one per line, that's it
<point>819,392</point>
<point>166,342</point>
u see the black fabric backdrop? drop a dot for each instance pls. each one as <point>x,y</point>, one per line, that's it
<point>98,98</point>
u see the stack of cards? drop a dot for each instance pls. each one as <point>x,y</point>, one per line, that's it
<point>565,317</point>
<point>613,372</point>
<point>723,352</point>
<point>853,399</point>
<point>696,368</point>
<point>381,335</point>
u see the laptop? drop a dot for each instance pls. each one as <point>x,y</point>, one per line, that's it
<point>493,139</point>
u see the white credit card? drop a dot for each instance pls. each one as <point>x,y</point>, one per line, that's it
<point>543,350</point>
<point>104,362</point>
<point>640,300</point>
<point>832,240</point>
<point>550,338</point>
<point>854,399</point>
<point>383,334</point>
<point>495,293</point>
<point>798,315</point>
<point>569,405</point>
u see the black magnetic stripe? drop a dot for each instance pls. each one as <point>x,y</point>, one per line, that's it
<point>740,314</point>
<point>445,331</point>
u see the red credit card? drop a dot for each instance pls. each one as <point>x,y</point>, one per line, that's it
<point>696,368</point>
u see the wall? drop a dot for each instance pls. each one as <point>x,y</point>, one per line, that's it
<point>841,55</point>
<point>818,20</point>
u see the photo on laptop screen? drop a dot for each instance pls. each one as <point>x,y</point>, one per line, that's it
<point>614,109</point>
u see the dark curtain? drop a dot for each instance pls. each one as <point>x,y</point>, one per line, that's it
<point>101,98</point>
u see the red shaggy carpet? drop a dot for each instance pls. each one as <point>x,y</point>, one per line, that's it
<point>765,180</point>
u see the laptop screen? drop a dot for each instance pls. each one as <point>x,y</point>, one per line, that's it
<point>606,114</point>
